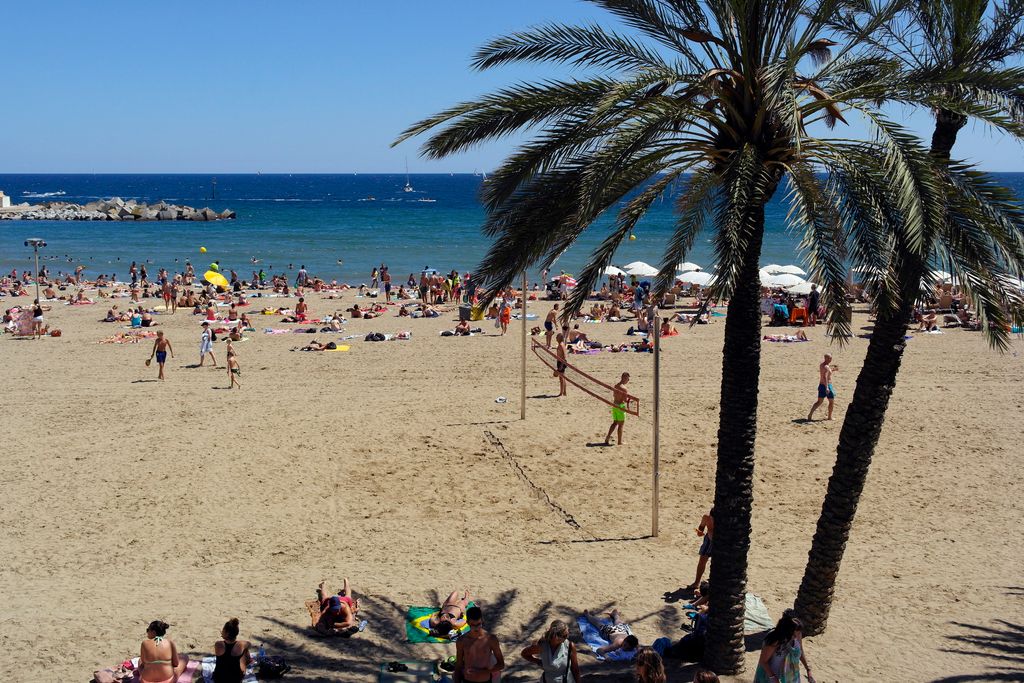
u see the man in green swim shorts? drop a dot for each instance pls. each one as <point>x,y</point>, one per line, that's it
<point>618,410</point>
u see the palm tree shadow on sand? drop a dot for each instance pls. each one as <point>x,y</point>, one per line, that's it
<point>996,648</point>
<point>316,658</point>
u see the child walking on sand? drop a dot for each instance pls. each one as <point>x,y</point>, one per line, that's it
<point>233,368</point>
<point>161,345</point>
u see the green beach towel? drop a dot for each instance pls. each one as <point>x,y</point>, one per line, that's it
<point>417,625</point>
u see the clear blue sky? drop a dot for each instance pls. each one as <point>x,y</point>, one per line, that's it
<point>307,86</point>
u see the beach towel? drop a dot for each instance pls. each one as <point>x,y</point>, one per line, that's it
<point>270,330</point>
<point>592,638</point>
<point>417,627</point>
<point>755,616</point>
<point>210,663</point>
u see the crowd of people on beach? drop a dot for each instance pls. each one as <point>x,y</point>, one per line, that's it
<point>479,657</point>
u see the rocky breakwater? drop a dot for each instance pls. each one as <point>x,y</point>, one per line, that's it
<point>115,209</point>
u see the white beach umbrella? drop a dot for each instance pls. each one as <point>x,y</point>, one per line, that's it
<point>940,275</point>
<point>696,277</point>
<point>612,270</point>
<point>641,269</point>
<point>634,264</point>
<point>688,267</point>
<point>792,270</point>
<point>800,288</point>
<point>772,268</point>
<point>781,280</point>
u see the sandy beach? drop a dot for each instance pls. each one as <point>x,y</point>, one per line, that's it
<point>128,500</point>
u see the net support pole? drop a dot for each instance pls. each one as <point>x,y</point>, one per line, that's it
<point>656,442</point>
<point>522,377</point>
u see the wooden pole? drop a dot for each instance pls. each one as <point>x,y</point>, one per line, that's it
<point>522,378</point>
<point>656,414</point>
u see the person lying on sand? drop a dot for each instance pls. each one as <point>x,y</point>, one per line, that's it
<point>451,616</point>
<point>317,346</point>
<point>618,633</point>
<point>337,612</point>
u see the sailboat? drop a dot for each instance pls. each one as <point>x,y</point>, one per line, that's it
<point>408,187</point>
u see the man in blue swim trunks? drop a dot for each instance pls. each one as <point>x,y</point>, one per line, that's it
<point>825,370</point>
<point>161,345</point>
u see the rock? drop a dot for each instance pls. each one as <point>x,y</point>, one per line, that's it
<point>210,214</point>
<point>92,206</point>
<point>166,214</point>
<point>226,214</point>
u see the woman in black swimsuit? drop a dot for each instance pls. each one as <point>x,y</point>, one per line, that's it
<point>451,616</point>
<point>232,655</point>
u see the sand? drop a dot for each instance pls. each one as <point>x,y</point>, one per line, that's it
<point>127,500</point>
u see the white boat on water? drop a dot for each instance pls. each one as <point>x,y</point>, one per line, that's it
<point>408,187</point>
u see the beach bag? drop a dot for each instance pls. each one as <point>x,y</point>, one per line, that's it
<point>270,668</point>
<point>213,336</point>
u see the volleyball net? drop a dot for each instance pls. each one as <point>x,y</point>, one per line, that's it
<point>588,384</point>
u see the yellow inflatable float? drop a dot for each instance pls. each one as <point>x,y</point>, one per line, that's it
<point>217,280</point>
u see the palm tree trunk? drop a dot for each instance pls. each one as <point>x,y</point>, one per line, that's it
<point>734,476</point>
<point>862,427</point>
<point>947,125</point>
<point>857,440</point>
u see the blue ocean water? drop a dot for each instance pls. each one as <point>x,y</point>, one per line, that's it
<point>338,226</point>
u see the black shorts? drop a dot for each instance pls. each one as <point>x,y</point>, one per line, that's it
<point>548,326</point>
<point>561,367</point>
<point>387,287</point>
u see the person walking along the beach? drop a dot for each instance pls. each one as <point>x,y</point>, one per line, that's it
<point>706,528</point>
<point>549,325</point>
<point>782,653</point>
<point>385,280</point>
<point>813,303</point>
<point>556,655</point>
<point>619,396</point>
<point>561,365</point>
<point>161,345</point>
<point>825,390</point>
<point>477,654</point>
<point>206,340</point>
<point>234,370</point>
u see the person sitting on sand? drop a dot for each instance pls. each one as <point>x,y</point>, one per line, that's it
<point>355,311</point>
<point>927,322</point>
<point>232,655</point>
<point>451,616</point>
<point>462,329</point>
<point>575,336</point>
<point>112,316</point>
<point>667,329</point>
<point>159,661</point>
<point>301,310</point>
<point>337,612</point>
<point>618,633</point>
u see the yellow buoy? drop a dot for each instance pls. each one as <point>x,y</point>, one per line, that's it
<point>202,250</point>
<point>632,237</point>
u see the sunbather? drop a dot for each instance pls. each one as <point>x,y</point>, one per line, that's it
<point>159,661</point>
<point>618,633</point>
<point>451,616</point>
<point>232,655</point>
<point>337,612</point>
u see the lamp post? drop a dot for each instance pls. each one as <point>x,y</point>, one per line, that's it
<point>35,243</point>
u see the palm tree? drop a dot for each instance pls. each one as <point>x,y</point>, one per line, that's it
<point>952,38</point>
<point>722,96</point>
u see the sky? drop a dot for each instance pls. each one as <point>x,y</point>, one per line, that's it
<point>307,86</point>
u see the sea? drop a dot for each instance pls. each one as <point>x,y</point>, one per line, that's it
<point>339,226</point>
